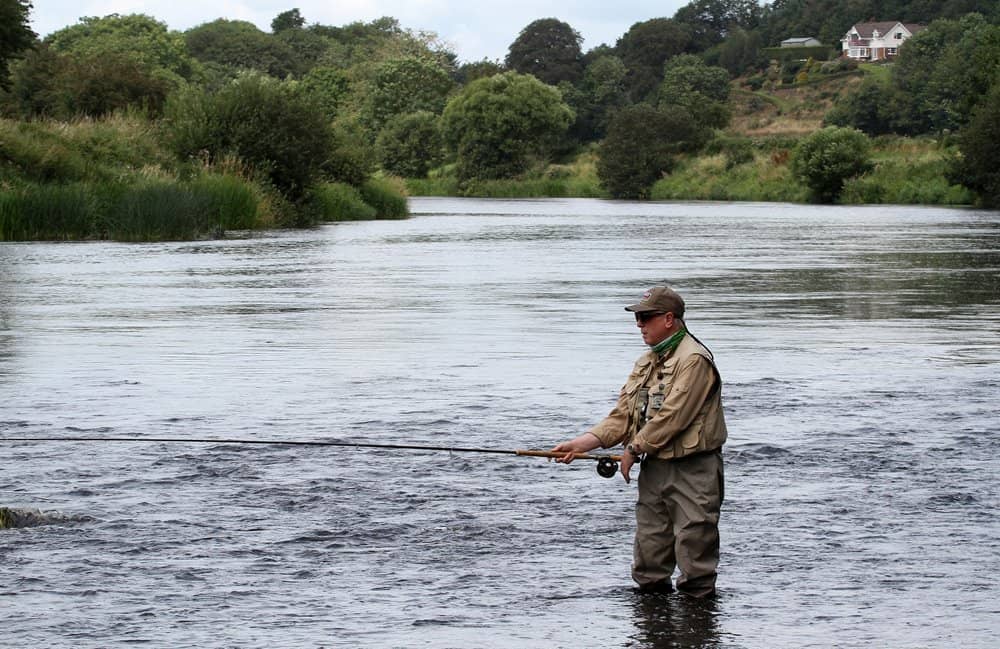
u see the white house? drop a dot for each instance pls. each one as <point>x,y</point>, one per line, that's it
<point>877,41</point>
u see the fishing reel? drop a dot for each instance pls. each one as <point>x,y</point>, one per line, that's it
<point>607,467</point>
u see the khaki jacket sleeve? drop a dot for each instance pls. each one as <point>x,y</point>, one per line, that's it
<point>691,387</point>
<point>611,429</point>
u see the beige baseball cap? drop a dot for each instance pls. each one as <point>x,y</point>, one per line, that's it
<point>659,298</point>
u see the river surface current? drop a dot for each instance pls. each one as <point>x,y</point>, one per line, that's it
<point>860,349</point>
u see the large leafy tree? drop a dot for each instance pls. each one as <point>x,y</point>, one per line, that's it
<point>740,52</point>
<point>642,145</point>
<point>979,165</point>
<point>15,34</point>
<point>644,48</point>
<point>700,88</point>
<point>599,94</point>
<point>405,85</point>
<point>138,38</point>
<point>497,126</point>
<point>549,49</point>
<point>712,21</point>
<point>239,44</point>
<point>291,19</point>
<point>946,69</point>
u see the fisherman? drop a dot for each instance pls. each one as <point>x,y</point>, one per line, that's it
<point>669,417</point>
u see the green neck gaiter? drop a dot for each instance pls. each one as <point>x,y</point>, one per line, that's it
<point>670,344</point>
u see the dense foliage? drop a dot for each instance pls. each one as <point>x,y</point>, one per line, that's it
<point>140,39</point>
<point>979,143</point>
<point>15,33</point>
<point>258,120</point>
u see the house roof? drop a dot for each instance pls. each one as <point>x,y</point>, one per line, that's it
<point>866,30</point>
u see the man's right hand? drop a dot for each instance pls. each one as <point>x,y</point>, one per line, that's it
<point>582,444</point>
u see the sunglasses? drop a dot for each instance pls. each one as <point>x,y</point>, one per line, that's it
<point>646,316</point>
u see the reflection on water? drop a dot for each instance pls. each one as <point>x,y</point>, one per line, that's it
<point>859,348</point>
<point>676,622</point>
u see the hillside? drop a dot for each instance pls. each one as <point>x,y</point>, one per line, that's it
<point>788,110</point>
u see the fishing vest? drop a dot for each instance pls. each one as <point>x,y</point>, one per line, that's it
<point>651,380</point>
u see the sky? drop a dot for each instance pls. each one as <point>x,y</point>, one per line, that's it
<point>473,30</point>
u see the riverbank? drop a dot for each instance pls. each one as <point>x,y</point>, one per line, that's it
<point>906,171</point>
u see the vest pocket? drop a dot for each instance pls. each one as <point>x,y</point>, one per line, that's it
<point>691,438</point>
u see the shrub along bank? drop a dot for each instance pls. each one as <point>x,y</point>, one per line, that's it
<point>118,178</point>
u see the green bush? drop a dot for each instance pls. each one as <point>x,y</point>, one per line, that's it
<point>641,145</point>
<point>341,202</point>
<point>46,213</point>
<point>410,145</point>
<point>386,197</point>
<point>263,122</point>
<point>824,160</point>
<point>497,127</point>
<point>352,159</point>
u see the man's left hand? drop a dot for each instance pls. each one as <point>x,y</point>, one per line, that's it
<point>626,465</point>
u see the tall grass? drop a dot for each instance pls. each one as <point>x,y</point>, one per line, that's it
<point>46,213</point>
<point>160,211</point>
<point>82,150</point>
<point>577,179</point>
<point>230,201</point>
<point>387,196</point>
<point>534,188</point>
<point>763,178</point>
<point>900,183</point>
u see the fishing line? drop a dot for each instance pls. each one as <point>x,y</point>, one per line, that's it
<point>607,465</point>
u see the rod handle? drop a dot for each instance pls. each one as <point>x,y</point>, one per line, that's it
<point>554,454</point>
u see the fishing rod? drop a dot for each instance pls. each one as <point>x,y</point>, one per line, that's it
<point>607,465</point>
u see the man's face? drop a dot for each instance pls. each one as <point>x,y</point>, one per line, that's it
<point>655,327</point>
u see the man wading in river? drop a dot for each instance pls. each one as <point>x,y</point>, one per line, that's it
<point>669,416</point>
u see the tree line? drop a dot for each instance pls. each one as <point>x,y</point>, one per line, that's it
<point>307,103</point>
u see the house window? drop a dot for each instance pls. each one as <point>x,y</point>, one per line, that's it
<point>859,53</point>
<point>898,36</point>
<point>891,51</point>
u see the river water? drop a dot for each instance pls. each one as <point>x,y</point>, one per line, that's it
<point>860,348</point>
